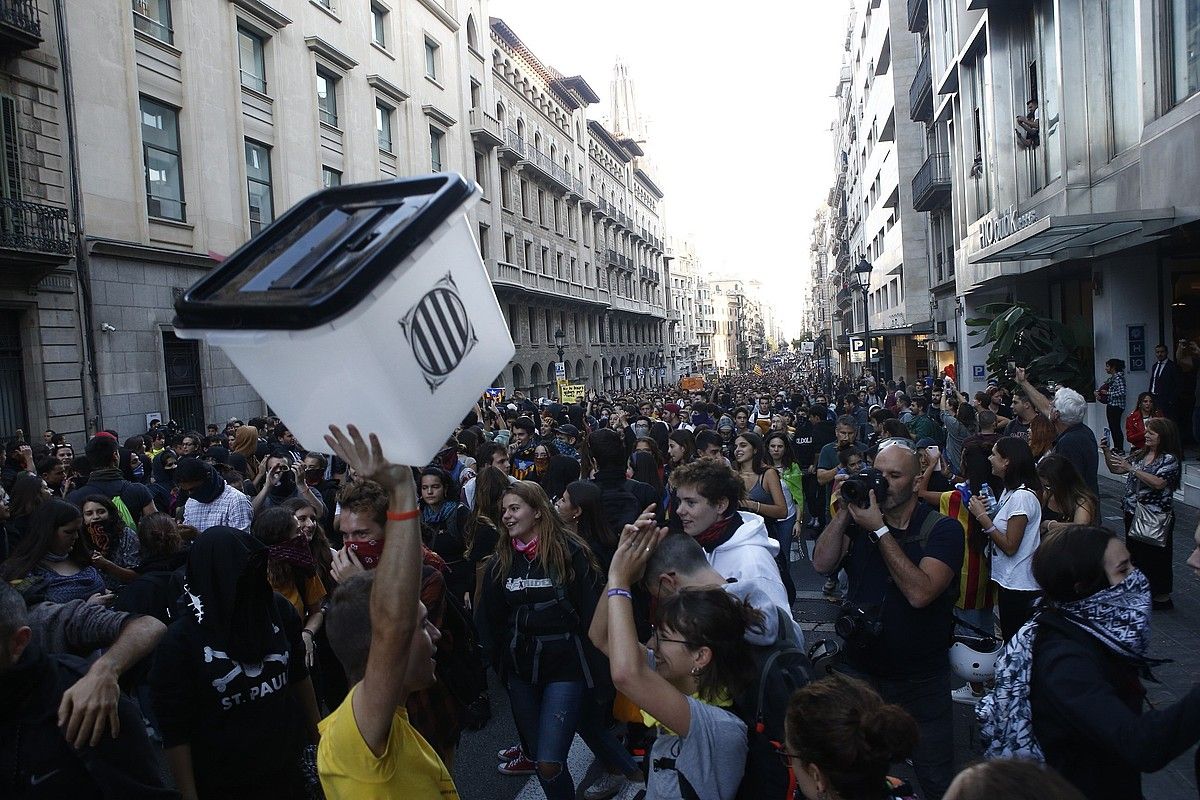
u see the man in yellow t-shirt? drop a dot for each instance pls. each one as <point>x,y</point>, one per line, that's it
<point>375,621</point>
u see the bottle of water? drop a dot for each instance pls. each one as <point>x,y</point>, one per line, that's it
<point>989,499</point>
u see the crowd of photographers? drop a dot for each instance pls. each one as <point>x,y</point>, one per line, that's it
<point>228,614</point>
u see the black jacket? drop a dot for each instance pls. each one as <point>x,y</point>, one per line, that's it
<point>534,626</point>
<point>1087,714</point>
<point>37,762</point>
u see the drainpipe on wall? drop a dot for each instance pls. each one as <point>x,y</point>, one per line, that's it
<point>88,373</point>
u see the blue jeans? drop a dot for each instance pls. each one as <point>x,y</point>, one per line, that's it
<point>596,734</point>
<point>781,532</point>
<point>547,716</point>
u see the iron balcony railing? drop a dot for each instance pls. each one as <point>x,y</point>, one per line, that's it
<point>33,227</point>
<point>931,184</point>
<point>920,94</point>
<point>20,23</point>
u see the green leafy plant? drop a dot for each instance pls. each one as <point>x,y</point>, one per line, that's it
<point>1047,348</point>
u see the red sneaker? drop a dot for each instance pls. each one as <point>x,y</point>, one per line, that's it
<point>510,753</point>
<point>518,766</point>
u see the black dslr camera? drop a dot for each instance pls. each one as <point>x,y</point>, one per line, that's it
<point>858,624</point>
<point>857,488</point>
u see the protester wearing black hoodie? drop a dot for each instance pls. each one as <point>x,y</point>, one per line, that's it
<point>229,683</point>
<point>35,759</point>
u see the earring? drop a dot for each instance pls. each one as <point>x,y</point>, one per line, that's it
<point>695,672</point>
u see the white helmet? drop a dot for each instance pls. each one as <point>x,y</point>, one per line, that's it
<point>974,659</point>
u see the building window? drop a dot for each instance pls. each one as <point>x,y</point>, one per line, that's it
<point>327,98</point>
<point>383,127</point>
<point>483,241</point>
<point>153,18</point>
<point>435,149</point>
<point>532,325</point>
<point>1123,74</point>
<point>1049,102</point>
<point>379,24</point>
<point>161,160</point>
<point>1184,46</point>
<point>251,60</point>
<point>330,177</point>
<point>528,255</point>
<point>481,172</point>
<point>505,189</point>
<point>258,186</point>
<point>508,247</point>
<point>431,59</point>
<point>541,196</point>
<point>524,198</point>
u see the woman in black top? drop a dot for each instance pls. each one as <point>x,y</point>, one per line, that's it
<point>1068,687</point>
<point>539,594</point>
<point>443,525</point>
<point>483,526</point>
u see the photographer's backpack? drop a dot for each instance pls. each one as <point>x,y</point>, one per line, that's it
<point>781,669</point>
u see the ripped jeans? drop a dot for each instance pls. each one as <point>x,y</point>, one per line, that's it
<point>547,716</point>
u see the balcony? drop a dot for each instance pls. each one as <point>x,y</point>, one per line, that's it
<point>34,238</point>
<point>920,94</point>
<point>931,184</point>
<point>20,25</point>
<point>918,15</point>
<point>485,129</point>
<point>613,258</point>
<point>513,146</point>
<point>543,164</point>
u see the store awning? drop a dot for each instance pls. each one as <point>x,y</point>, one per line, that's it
<point>1079,236</point>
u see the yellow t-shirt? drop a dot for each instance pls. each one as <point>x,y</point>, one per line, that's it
<point>314,592</point>
<point>409,768</point>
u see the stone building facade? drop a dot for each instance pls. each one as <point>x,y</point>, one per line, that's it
<point>575,239</point>
<point>43,356</point>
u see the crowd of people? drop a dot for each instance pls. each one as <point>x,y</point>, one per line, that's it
<point>230,614</point>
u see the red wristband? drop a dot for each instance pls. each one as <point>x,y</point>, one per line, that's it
<point>400,516</point>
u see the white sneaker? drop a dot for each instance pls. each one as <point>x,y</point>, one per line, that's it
<point>966,695</point>
<point>605,786</point>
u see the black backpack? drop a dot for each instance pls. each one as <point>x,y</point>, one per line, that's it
<point>782,668</point>
<point>621,506</point>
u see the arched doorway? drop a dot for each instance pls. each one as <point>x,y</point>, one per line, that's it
<point>535,379</point>
<point>518,379</point>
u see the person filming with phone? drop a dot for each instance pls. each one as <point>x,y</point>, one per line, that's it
<point>903,559</point>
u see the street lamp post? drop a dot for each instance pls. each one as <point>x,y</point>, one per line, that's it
<point>862,277</point>
<point>560,341</point>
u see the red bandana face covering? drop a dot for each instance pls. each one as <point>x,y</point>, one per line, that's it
<point>368,552</point>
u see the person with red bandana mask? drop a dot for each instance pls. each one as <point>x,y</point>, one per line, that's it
<point>735,542</point>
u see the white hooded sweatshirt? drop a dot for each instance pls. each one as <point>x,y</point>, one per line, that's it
<point>749,557</point>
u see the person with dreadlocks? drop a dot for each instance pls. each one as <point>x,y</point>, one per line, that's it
<point>229,684</point>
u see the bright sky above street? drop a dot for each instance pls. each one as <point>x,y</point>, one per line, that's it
<point>738,104</point>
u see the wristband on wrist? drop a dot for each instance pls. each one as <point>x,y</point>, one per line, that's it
<point>619,592</point>
<point>400,516</point>
<point>992,529</point>
<point>306,630</point>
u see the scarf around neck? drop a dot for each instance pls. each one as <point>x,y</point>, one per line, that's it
<point>438,516</point>
<point>528,549</point>
<point>1118,617</point>
<point>720,532</point>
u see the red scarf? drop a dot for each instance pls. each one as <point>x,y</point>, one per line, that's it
<point>294,551</point>
<point>528,549</point>
<point>720,533</point>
